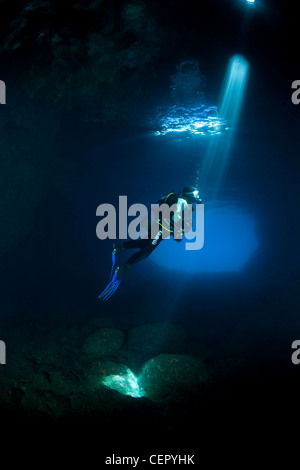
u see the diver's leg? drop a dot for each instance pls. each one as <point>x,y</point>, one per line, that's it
<point>133,259</point>
<point>146,249</point>
<point>141,254</point>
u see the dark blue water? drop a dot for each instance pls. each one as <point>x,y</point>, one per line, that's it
<point>250,249</point>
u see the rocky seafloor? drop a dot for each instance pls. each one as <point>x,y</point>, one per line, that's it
<point>101,367</point>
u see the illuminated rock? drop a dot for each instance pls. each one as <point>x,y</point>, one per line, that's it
<point>115,377</point>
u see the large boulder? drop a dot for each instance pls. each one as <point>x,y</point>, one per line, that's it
<point>103,342</point>
<point>170,375</point>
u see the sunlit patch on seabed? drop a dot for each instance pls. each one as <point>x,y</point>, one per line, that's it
<point>126,384</point>
<point>229,242</point>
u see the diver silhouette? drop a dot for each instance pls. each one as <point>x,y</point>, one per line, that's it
<point>158,228</point>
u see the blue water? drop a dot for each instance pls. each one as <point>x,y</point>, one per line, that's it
<point>229,242</point>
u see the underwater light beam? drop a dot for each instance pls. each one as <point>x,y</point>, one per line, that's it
<point>232,95</point>
<point>233,89</point>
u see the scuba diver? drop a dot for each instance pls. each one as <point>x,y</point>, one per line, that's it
<point>158,227</point>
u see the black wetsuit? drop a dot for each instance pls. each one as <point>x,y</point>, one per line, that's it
<point>147,245</point>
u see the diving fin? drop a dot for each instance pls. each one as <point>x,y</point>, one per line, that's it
<point>111,287</point>
<point>113,283</point>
